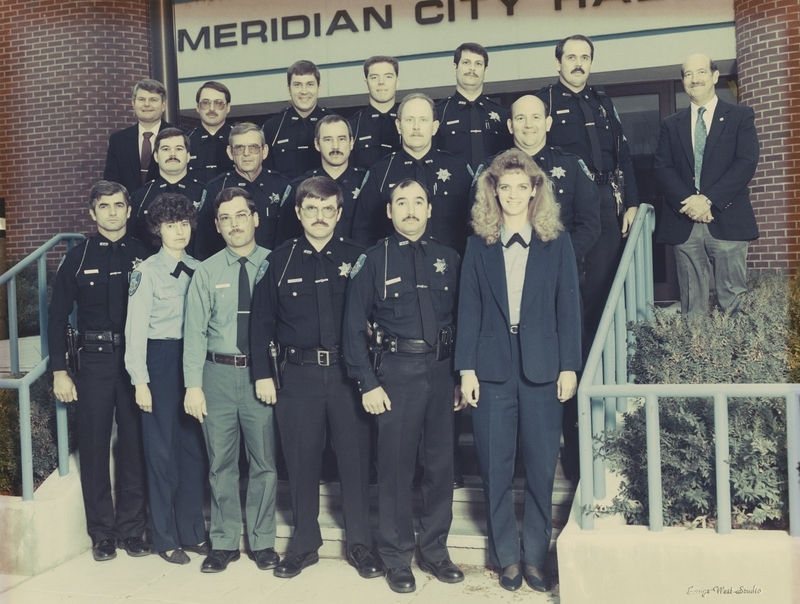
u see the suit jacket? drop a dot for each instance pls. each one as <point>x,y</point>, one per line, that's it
<point>550,320</point>
<point>122,159</point>
<point>729,162</point>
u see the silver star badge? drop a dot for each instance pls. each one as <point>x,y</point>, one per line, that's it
<point>344,269</point>
<point>440,265</point>
<point>356,192</point>
<point>443,174</point>
<point>136,262</point>
<point>493,115</point>
<point>274,198</point>
<point>558,172</point>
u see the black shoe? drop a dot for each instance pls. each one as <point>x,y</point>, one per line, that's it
<point>367,565</point>
<point>292,564</point>
<point>445,571</point>
<point>511,578</point>
<point>135,546</point>
<point>104,550</point>
<point>178,556</point>
<point>218,560</point>
<point>203,548</point>
<point>458,481</point>
<point>401,580</point>
<point>265,558</point>
<point>535,578</point>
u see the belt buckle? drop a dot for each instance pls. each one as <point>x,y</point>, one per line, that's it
<point>515,329</point>
<point>323,358</point>
<point>240,357</point>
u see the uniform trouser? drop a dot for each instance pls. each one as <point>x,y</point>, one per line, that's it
<point>421,393</point>
<point>174,452</point>
<point>310,395</point>
<point>233,409</point>
<point>502,409</point>
<point>693,259</point>
<point>105,392</point>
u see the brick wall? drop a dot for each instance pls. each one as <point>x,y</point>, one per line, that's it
<point>70,68</point>
<point>768,52</point>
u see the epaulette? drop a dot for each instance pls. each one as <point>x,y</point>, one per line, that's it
<point>351,242</point>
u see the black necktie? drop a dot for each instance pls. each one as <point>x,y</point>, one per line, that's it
<point>591,129</point>
<point>147,153</point>
<point>475,135</point>
<point>388,133</point>
<point>516,238</point>
<point>116,285</point>
<point>419,171</point>
<point>181,267</point>
<point>429,330</point>
<point>327,329</point>
<point>243,316</point>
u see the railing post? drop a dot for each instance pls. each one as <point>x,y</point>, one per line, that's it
<point>13,327</point>
<point>793,454</point>
<point>43,316</point>
<point>25,442</point>
<point>722,464</point>
<point>621,338</point>
<point>654,463</point>
<point>62,438</point>
<point>586,462</point>
<point>609,377</point>
<point>598,465</point>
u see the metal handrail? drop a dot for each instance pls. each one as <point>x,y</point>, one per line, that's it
<point>23,384</point>
<point>605,388</point>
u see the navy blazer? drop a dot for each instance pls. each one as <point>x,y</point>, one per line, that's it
<point>122,159</point>
<point>729,162</point>
<point>550,319</point>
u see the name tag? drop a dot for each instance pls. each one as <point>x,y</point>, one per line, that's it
<point>222,285</point>
<point>365,138</point>
<point>285,140</point>
<point>91,271</point>
<point>392,281</point>
<point>453,122</point>
<point>298,280</point>
<point>560,111</point>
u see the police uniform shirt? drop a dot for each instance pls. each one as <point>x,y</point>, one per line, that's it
<point>291,141</point>
<point>209,153</point>
<point>84,276</point>
<point>350,181</point>
<point>267,190</point>
<point>448,179</point>
<point>570,134</point>
<point>155,308</point>
<point>285,300</point>
<point>212,308</point>
<point>384,291</point>
<point>374,135</point>
<point>454,135</point>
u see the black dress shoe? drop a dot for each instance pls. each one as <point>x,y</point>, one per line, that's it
<point>401,580</point>
<point>218,560</point>
<point>105,550</point>
<point>367,565</point>
<point>535,578</point>
<point>445,571</point>
<point>458,481</point>
<point>178,556</point>
<point>203,548</point>
<point>265,558</point>
<point>292,564</point>
<point>135,546</point>
<point>511,578</point>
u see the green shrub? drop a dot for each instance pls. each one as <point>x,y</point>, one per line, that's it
<point>748,348</point>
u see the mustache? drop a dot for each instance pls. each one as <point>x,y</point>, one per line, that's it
<point>320,223</point>
<point>411,218</point>
<point>578,70</point>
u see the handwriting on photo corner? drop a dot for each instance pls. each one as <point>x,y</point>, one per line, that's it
<point>722,590</point>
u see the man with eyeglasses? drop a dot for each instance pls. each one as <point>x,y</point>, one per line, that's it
<point>300,305</point>
<point>209,140</point>
<point>171,153</point>
<point>247,150</point>
<point>220,392</point>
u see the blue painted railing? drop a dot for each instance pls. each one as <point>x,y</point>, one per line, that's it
<point>23,384</point>
<point>605,388</point>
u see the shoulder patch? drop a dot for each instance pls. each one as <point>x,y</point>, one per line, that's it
<point>357,266</point>
<point>262,270</point>
<point>585,168</point>
<point>136,279</point>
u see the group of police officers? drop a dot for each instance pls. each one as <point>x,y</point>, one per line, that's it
<point>319,331</point>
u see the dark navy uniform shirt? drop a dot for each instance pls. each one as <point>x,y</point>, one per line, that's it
<point>209,155</point>
<point>291,141</point>
<point>374,136</point>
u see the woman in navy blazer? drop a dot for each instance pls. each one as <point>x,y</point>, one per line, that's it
<point>518,348</point>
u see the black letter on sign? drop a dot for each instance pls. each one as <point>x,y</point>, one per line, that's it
<point>317,26</point>
<point>247,34</point>
<point>425,4</point>
<point>473,7</point>
<point>384,23</point>
<point>342,15</point>
<point>509,6</point>
<point>581,4</point>
<point>204,35</point>
<point>285,21</point>
<point>598,2</point>
<point>220,35</point>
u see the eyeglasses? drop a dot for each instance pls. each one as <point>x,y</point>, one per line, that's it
<point>218,104</point>
<point>313,211</point>
<point>239,217</point>
<point>254,149</point>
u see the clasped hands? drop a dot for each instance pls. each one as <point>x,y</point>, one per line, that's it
<point>696,207</point>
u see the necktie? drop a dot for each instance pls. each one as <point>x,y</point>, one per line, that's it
<point>475,135</point>
<point>243,316</point>
<point>327,329</point>
<point>429,330</point>
<point>116,289</point>
<point>700,135</point>
<point>181,267</point>
<point>419,171</point>
<point>388,133</point>
<point>147,153</point>
<point>591,129</point>
<point>516,238</point>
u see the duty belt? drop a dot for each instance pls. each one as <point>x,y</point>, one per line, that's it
<point>236,360</point>
<point>100,341</point>
<point>602,178</point>
<point>395,344</point>
<point>316,356</point>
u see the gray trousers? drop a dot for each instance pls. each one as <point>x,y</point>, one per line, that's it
<point>233,409</point>
<point>701,253</point>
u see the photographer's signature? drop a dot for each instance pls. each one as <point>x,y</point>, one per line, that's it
<point>722,590</point>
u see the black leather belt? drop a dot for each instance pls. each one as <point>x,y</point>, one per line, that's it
<point>514,329</point>
<point>602,178</point>
<point>104,336</point>
<point>323,358</point>
<point>409,346</point>
<point>236,360</point>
